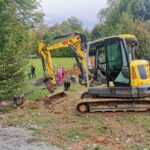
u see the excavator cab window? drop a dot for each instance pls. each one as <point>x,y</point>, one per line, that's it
<point>97,49</point>
<point>100,63</point>
<point>114,59</point>
<point>117,62</point>
<point>111,63</point>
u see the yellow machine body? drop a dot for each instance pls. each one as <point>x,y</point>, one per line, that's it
<point>139,73</point>
<point>74,41</point>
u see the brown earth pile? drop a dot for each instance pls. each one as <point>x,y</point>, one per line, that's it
<point>76,71</point>
<point>73,71</point>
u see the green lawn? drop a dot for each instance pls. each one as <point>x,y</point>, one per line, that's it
<point>39,92</point>
<point>67,63</point>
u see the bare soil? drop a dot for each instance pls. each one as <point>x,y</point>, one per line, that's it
<point>60,125</point>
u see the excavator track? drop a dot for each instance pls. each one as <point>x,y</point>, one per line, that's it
<point>91,105</point>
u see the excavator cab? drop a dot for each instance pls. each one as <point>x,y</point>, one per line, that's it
<point>112,62</point>
<point>117,72</point>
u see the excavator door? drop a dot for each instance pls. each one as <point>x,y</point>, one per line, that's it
<point>112,63</point>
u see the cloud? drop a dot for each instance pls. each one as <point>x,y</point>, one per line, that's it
<point>48,20</point>
<point>60,10</point>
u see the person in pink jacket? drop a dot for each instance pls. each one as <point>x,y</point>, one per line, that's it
<point>61,75</point>
<point>60,79</point>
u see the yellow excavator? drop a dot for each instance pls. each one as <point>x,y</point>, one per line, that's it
<point>77,43</point>
<point>120,81</point>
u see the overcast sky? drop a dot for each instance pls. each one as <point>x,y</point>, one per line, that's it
<point>59,10</point>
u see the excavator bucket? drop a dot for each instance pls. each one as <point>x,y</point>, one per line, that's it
<point>56,97</point>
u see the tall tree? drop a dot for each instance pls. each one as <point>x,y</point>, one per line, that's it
<point>72,24</point>
<point>140,9</point>
<point>16,18</point>
<point>126,16</point>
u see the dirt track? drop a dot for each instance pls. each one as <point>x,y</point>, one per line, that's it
<point>12,138</point>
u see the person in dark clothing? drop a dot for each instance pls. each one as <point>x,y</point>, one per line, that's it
<point>66,85</point>
<point>33,72</point>
<point>66,82</point>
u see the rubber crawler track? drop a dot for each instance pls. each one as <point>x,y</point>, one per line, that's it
<point>91,105</point>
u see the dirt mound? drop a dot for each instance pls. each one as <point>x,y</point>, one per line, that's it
<point>76,71</point>
<point>73,71</point>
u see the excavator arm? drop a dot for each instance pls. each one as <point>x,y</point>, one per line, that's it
<point>76,42</point>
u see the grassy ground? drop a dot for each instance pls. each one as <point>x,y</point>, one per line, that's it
<point>60,125</point>
<point>67,63</point>
<point>39,92</point>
